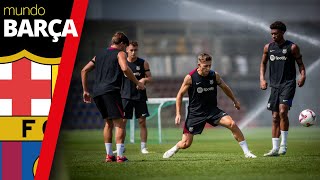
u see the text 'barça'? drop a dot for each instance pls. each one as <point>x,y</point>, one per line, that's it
<point>40,26</point>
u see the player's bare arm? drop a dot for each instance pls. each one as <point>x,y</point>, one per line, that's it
<point>263,67</point>
<point>122,59</point>
<point>298,57</point>
<point>86,69</point>
<point>148,77</point>
<point>226,89</point>
<point>183,89</point>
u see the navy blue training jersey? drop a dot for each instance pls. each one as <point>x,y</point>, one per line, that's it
<point>108,73</point>
<point>282,68</point>
<point>129,89</point>
<point>202,93</point>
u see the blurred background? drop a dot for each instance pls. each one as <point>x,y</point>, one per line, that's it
<point>171,33</point>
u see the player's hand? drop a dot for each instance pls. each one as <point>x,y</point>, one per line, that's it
<point>86,97</point>
<point>236,104</point>
<point>178,119</point>
<point>301,81</point>
<point>263,84</point>
<point>140,86</point>
<point>143,81</point>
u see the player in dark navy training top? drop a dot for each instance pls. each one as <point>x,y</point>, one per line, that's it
<point>201,85</point>
<point>282,56</point>
<point>134,99</point>
<point>110,65</point>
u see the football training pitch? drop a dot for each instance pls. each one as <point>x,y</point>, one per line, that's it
<point>213,155</point>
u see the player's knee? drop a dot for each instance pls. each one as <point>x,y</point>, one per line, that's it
<point>283,114</point>
<point>233,125</point>
<point>123,125</point>
<point>189,144</point>
<point>186,144</point>
<point>275,119</point>
<point>142,123</point>
<point>108,126</point>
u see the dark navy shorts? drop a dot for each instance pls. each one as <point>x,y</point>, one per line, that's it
<point>196,123</point>
<point>281,95</point>
<point>110,105</point>
<point>140,108</point>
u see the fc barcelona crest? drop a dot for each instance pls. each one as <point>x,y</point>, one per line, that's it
<point>284,51</point>
<point>26,87</point>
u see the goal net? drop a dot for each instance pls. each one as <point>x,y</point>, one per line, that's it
<point>161,122</point>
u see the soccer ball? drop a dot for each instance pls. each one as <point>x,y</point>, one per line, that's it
<point>307,118</point>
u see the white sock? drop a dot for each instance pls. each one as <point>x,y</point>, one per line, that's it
<point>275,143</point>
<point>143,145</point>
<point>108,148</point>
<point>284,135</point>
<point>120,148</point>
<point>244,146</point>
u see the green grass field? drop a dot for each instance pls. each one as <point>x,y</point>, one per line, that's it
<point>213,155</point>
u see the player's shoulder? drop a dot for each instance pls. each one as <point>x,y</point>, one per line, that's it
<point>289,42</point>
<point>212,72</point>
<point>121,53</point>
<point>193,72</point>
<point>266,46</point>
<point>111,50</point>
<point>215,75</point>
<point>141,60</point>
<point>293,45</point>
<point>187,79</point>
<point>106,51</point>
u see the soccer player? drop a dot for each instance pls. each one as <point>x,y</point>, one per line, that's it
<point>110,65</point>
<point>201,84</point>
<point>134,99</point>
<point>282,56</point>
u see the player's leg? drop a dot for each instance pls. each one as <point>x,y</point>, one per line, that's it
<point>128,113</point>
<point>286,99</point>
<point>275,130</point>
<point>116,113</point>
<point>143,134</point>
<point>275,135</point>
<point>123,138</point>
<point>275,125</point>
<point>119,136</point>
<point>107,130</point>
<point>284,120</point>
<point>141,111</point>
<point>125,132</point>
<point>273,105</point>
<point>193,125</point>
<point>284,128</point>
<point>107,134</point>
<point>185,142</point>
<point>227,122</point>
